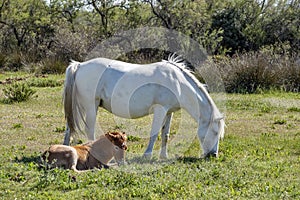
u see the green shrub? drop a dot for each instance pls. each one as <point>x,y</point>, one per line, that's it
<point>290,80</point>
<point>133,138</point>
<point>293,109</point>
<point>17,92</point>
<point>14,61</point>
<point>52,66</point>
<point>42,82</point>
<point>2,60</point>
<point>259,71</point>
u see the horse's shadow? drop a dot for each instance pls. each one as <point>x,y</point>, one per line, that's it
<point>183,159</point>
<point>36,159</point>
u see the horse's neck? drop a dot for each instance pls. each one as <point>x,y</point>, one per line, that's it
<point>197,101</point>
<point>102,149</point>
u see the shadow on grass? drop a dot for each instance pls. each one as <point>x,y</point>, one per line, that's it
<point>28,159</point>
<point>142,160</point>
<point>189,159</point>
<point>184,159</point>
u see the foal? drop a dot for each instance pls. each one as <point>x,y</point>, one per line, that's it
<point>94,154</point>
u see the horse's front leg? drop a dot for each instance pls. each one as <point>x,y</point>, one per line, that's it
<point>165,132</point>
<point>67,135</point>
<point>159,115</point>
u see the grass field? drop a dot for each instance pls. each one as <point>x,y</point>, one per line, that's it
<point>259,156</point>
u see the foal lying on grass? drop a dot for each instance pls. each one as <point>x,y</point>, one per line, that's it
<point>94,154</point>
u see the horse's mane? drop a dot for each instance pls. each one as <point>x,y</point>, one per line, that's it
<point>177,60</point>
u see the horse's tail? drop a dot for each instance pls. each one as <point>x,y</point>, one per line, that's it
<point>68,95</point>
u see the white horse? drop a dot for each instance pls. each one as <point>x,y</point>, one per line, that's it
<point>133,91</point>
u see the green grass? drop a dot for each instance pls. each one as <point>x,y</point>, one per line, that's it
<point>259,156</point>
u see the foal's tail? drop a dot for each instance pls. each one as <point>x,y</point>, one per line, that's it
<point>69,98</point>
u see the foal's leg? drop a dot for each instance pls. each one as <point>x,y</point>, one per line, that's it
<point>165,132</point>
<point>159,115</point>
<point>74,160</point>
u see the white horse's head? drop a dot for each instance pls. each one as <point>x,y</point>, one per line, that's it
<point>215,131</point>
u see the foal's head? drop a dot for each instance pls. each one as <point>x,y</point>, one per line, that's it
<point>118,139</point>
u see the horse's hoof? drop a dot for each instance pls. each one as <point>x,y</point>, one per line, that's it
<point>163,157</point>
<point>147,156</point>
<point>209,155</point>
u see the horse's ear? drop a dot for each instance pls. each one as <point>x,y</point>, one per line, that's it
<point>219,118</point>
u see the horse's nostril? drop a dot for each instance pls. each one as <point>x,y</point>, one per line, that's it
<point>122,162</point>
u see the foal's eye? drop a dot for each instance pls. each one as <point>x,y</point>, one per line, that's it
<point>116,148</point>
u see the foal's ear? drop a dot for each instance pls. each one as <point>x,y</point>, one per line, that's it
<point>112,135</point>
<point>124,136</point>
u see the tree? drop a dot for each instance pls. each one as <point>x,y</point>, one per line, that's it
<point>191,18</point>
<point>250,25</point>
<point>27,20</point>
<point>67,9</point>
<point>107,10</point>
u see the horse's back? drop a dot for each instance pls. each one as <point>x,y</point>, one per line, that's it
<point>129,90</point>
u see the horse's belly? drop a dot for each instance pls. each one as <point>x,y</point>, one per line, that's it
<point>139,103</point>
<point>131,109</point>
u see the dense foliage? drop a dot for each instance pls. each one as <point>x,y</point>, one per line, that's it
<point>43,35</point>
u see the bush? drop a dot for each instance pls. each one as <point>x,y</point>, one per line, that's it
<point>42,82</point>
<point>261,70</point>
<point>14,61</point>
<point>52,66</point>
<point>291,78</point>
<point>17,92</point>
<point>2,60</point>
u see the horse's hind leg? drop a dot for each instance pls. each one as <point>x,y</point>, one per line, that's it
<point>165,132</point>
<point>159,115</point>
<point>90,122</point>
